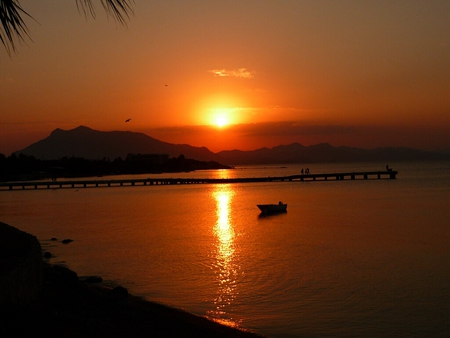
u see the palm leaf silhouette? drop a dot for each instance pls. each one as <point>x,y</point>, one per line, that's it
<point>13,28</point>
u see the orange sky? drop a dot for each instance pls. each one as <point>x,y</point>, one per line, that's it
<point>353,73</point>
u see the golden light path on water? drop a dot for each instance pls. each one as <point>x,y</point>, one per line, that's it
<point>225,265</point>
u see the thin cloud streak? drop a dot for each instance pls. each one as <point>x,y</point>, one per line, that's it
<point>249,136</point>
<point>284,128</point>
<point>239,73</point>
<point>270,129</point>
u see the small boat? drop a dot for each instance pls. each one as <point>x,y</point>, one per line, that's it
<point>272,208</point>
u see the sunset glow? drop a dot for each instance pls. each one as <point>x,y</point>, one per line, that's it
<point>221,117</point>
<point>301,74</point>
<point>221,121</point>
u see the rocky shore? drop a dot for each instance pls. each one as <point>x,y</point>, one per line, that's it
<point>39,299</point>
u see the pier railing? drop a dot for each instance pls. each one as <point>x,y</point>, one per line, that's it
<point>92,183</point>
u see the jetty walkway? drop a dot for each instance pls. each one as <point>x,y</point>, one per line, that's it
<point>92,183</point>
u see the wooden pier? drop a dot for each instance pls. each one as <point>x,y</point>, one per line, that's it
<point>77,184</point>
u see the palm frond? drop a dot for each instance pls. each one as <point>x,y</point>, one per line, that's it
<point>13,29</point>
<point>119,9</point>
<point>12,26</point>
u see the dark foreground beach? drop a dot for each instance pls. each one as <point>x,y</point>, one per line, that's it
<point>67,306</point>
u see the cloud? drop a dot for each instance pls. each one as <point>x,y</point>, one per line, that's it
<point>250,136</point>
<point>267,129</point>
<point>241,73</point>
<point>292,128</point>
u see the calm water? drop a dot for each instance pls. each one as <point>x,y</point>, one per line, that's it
<point>366,258</point>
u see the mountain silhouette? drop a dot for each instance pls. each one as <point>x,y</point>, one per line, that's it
<point>87,143</point>
<point>325,153</point>
<point>93,144</point>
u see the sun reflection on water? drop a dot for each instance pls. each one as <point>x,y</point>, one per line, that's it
<point>225,266</point>
<point>224,173</point>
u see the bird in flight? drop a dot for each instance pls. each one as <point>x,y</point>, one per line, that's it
<point>127,120</point>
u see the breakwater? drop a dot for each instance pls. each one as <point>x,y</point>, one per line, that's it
<point>97,183</point>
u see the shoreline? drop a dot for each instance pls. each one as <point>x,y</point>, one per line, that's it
<point>68,306</point>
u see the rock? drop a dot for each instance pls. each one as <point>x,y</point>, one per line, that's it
<point>60,275</point>
<point>66,241</point>
<point>120,291</point>
<point>47,254</point>
<point>93,279</point>
<point>20,266</point>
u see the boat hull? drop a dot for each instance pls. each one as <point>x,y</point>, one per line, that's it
<point>272,208</point>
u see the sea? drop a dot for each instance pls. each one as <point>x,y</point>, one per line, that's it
<point>349,258</point>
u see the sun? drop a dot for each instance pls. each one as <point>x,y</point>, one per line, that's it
<point>221,117</point>
<point>221,121</point>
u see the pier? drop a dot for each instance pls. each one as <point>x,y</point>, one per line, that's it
<point>93,183</point>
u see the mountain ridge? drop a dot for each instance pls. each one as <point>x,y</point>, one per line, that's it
<point>93,144</point>
<point>88,143</point>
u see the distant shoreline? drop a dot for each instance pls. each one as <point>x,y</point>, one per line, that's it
<point>28,168</point>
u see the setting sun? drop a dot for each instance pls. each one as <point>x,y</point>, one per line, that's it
<point>221,121</point>
<point>221,117</point>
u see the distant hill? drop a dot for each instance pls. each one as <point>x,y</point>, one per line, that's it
<point>325,153</point>
<point>92,144</point>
